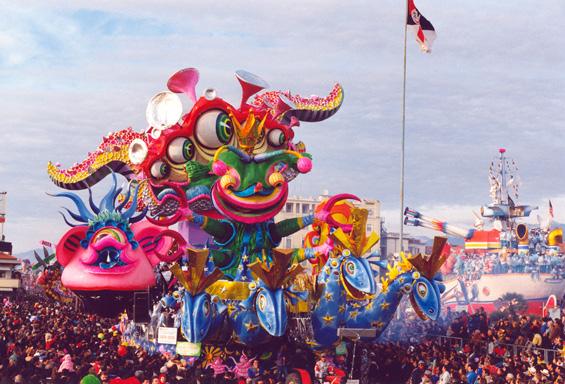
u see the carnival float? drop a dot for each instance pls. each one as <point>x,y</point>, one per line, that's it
<point>502,254</point>
<point>220,173</point>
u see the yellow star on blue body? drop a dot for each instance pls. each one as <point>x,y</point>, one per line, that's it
<point>250,326</point>
<point>328,319</point>
<point>378,324</point>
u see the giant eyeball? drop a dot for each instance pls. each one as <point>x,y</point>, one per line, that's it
<point>180,150</point>
<point>160,169</point>
<point>213,129</point>
<point>276,137</point>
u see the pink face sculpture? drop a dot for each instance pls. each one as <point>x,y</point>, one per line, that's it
<point>113,250</point>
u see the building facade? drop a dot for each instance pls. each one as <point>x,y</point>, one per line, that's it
<point>390,244</point>
<point>300,206</point>
<point>9,281</point>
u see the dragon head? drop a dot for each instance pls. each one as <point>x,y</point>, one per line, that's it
<point>425,298</point>
<point>355,271</point>
<point>240,159</point>
<point>198,309</point>
<point>197,315</point>
<point>270,294</point>
<point>427,286</point>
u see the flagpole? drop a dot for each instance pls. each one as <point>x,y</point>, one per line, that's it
<point>403,136</point>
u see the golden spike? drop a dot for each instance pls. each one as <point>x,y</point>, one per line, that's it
<point>384,284</point>
<point>279,273</point>
<point>428,267</point>
<point>392,272</point>
<point>370,242</point>
<point>196,262</point>
<point>178,272</point>
<point>342,238</point>
<point>357,241</point>
<point>404,263</point>
<point>235,121</point>
<point>358,234</point>
<point>195,280</point>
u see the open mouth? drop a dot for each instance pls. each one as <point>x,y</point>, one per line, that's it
<point>354,292</point>
<point>417,309</point>
<point>109,262</point>
<point>165,201</point>
<point>249,207</point>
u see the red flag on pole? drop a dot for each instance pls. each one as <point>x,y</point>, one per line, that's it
<point>421,27</point>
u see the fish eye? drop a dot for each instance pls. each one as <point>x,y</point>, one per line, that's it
<point>422,289</point>
<point>350,267</point>
<point>406,288</point>
<point>262,302</point>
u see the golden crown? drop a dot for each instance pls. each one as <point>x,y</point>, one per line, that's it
<point>249,132</point>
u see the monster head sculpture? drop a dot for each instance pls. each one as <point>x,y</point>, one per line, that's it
<point>183,154</point>
<point>111,248</point>
<point>223,160</point>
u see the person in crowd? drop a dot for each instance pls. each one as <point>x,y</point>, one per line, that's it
<point>321,367</point>
<point>445,377</point>
<point>255,373</point>
<point>418,372</point>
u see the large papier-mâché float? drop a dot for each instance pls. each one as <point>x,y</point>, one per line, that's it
<point>226,170</point>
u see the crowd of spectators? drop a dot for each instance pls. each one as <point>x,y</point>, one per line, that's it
<point>42,341</point>
<point>472,348</point>
<point>45,342</point>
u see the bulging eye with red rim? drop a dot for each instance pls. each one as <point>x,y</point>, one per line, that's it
<point>350,268</point>
<point>180,150</point>
<point>213,129</point>
<point>276,137</point>
<point>160,169</point>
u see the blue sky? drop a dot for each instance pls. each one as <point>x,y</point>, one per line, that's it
<point>69,74</point>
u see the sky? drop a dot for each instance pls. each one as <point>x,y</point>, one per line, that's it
<point>70,74</point>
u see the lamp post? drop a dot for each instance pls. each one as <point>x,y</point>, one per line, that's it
<point>355,334</point>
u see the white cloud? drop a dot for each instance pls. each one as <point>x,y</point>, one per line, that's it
<point>72,72</point>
